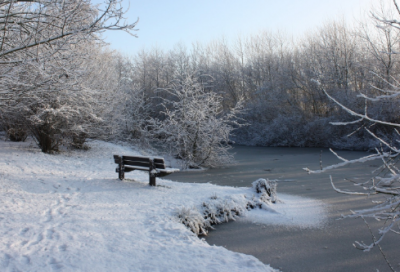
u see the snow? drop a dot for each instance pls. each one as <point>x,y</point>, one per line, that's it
<point>69,212</point>
<point>292,211</point>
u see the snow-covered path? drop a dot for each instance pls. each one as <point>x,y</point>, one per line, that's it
<point>69,212</point>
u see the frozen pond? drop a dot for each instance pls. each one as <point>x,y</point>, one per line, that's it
<point>294,248</point>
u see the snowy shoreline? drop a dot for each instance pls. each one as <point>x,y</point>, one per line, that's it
<point>69,212</point>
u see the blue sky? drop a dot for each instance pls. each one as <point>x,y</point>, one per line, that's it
<point>164,23</point>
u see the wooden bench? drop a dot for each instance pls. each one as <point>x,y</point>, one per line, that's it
<point>155,167</point>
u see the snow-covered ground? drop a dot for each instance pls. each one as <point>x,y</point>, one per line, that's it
<point>69,212</point>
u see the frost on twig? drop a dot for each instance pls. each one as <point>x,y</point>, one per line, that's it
<point>345,192</point>
<point>348,162</point>
<point>385,180</point>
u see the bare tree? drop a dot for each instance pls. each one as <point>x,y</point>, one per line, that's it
<point>195,129</point>
<point>31,23</point>
<point>44,48</point>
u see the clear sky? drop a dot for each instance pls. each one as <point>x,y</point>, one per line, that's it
<point>164,23</point>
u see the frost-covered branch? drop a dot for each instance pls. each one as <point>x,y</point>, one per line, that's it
<point>386,182</point>
<point>195,128</point>
<point>363,116</point>
<point>348,162</point>
<point>345,192</point>
<point>69,20</point>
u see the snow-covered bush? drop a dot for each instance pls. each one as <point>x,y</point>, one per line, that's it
<point>195,129</point>
<point>66,118</point>
<point>218,210</point>
<point>133,115</point>
<point>266,188</point>
<point>16,130</point>
<point>212,212</point>
<point>194,220</point>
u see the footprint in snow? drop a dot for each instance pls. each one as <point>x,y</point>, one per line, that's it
<point>49,234</point>
<point>56,265</point>
<point>5,260</point>
<point>24,231</point>
<point>39,238</point>
<point>63,247</point>
<point>48,215</point>
<point>26,259</point>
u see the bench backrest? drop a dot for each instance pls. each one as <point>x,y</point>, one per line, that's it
<point>140,161</point>
<point>136,161</point>
<point>159,163</point>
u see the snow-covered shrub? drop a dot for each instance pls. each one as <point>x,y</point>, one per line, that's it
<point>195,128</point>
<point>66,117</point>
<point>218,210</point>
<point>266,189</point>
<point>134,112</point>
<point>212,212</point>
<point>78,141</point>
<point>47,136</point>
<point>15,129</point>
<point>194,220</point>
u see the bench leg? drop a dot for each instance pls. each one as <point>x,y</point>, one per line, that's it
<point>121,174</point>
<point>152,180</point>
<point>152,175</point>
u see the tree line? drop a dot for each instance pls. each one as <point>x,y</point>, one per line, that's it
<point>276,77</point>
<point>61,84</point>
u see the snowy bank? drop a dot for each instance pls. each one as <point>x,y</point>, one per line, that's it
<point>69,212</point>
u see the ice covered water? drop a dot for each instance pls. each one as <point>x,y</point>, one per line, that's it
<point>306,243</point>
